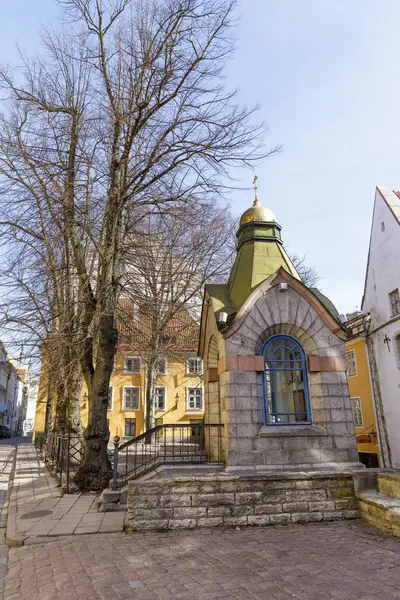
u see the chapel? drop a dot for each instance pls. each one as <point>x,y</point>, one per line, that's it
<point>274,361</point>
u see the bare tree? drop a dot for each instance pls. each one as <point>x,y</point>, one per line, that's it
<point>167,261</point>
<point>126,110</point>
<point>307,272</point>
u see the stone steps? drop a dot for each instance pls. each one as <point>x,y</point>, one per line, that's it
<point>380,505</point>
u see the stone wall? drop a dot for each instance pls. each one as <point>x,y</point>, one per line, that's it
<point>330,441</point>
<point>224,500</point>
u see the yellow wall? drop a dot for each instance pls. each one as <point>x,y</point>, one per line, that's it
<point>360,386</point>
<point>40,412</point>
<point>175,380</point>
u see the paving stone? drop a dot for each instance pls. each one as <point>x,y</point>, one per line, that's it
<point>321,561</point>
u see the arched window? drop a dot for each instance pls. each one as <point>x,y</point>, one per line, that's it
<point>285,382</point>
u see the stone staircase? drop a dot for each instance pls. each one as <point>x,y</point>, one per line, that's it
<point>378,494</point>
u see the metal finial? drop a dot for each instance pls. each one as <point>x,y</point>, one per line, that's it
<point>255,189</point>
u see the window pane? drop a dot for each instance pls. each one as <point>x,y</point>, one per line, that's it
<point>130,427</point>
<point>132,398</point>
<point>110,398</point>
<point>285,376</point>
<point>160,398</point>
<point>162,366</point>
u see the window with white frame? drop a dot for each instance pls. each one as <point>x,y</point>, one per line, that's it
<point>351,363</point>
<point>160,398</point>
<point>194,398</point>
<point>162,366</point>
<point>110,398</point>
<point>194,366</point>
<point>132,364</point>
<point>131,398</point>
<point>130,427</point>
<point>357,412</point>
<point>136,314</point>
<point>394,298</point>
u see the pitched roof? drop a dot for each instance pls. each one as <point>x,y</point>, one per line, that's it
<point>181,332</point>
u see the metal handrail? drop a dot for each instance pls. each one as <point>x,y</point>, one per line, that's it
<point>166,444</point>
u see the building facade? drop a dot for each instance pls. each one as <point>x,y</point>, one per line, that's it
<point>13,393</point>
<point>179,391</point>
<point>381,305</point>
<point>275,361</point>
<point>360,387</point>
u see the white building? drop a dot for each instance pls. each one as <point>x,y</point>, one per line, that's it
<point>11,392</point>
<point>382,301</point>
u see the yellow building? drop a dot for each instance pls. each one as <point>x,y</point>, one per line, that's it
<point>359,381</point>
<point>179,394</point>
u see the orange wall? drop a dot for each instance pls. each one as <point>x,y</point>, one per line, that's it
<point>360,386</point>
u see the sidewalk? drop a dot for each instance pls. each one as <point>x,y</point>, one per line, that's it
<point>38,511</point>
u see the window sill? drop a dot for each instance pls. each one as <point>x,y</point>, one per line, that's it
<point>291,431</point>
<point>130,409</point>
<point>194,410</point>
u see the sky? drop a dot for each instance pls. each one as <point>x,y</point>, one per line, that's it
<point>327,76</point>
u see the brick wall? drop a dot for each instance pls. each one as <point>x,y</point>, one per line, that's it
<point>223,500</point>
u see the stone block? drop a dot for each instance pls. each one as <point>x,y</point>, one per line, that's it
<point>182,512</point>
<point>182,523</point>
<point>337,428</point>
<point>267,509</point>
<point>235,521</point>
<point>321,506</point>
<point>219,511</point>
<point>209,521</point>
<point>259,520</point>
<point>239,511</point>
<point>307,517</point>
<point>148,524</point>
<point>305,495</point>
<point>213,499</point>
<point>294,507</point>
<point>175,500</point>
<point>248,497</point>
<point>281,519</point>
<point>153,513</point>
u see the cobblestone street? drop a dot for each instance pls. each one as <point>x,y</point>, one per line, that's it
<point>348,561</point>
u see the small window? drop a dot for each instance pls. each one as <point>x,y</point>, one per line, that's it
<point>351,363</point>
<point>357,412</point>
<point>110,398</point>
<point>194,366</point>
<point>382,226</point>
<point>133,364</point>
<point>136,314</point>
<point>159,399</point>
<point>395,302</point>
<point>130,427</point>
<point>162,366</point>
<point>131,398</point>
<point>194,399</point>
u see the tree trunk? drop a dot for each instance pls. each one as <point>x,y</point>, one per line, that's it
<point>95,472</point>
<point>150,391</point>
<point>74,401</point>
<point>49,409</point>
<point>60,421</point>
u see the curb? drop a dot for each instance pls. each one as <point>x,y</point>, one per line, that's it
<point>12,538</point>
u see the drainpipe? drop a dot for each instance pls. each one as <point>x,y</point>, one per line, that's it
<point>377,417</point>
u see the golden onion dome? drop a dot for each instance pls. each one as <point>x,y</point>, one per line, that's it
<point>257,213</point>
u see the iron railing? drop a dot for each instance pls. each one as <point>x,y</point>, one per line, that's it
<point>62,454</point>
<point>166,444</point>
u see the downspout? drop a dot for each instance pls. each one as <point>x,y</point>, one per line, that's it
<point>377,420</point>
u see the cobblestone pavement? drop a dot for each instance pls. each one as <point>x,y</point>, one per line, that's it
<point>346,560</point>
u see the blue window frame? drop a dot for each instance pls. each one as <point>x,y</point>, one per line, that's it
<point>286,393</point>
